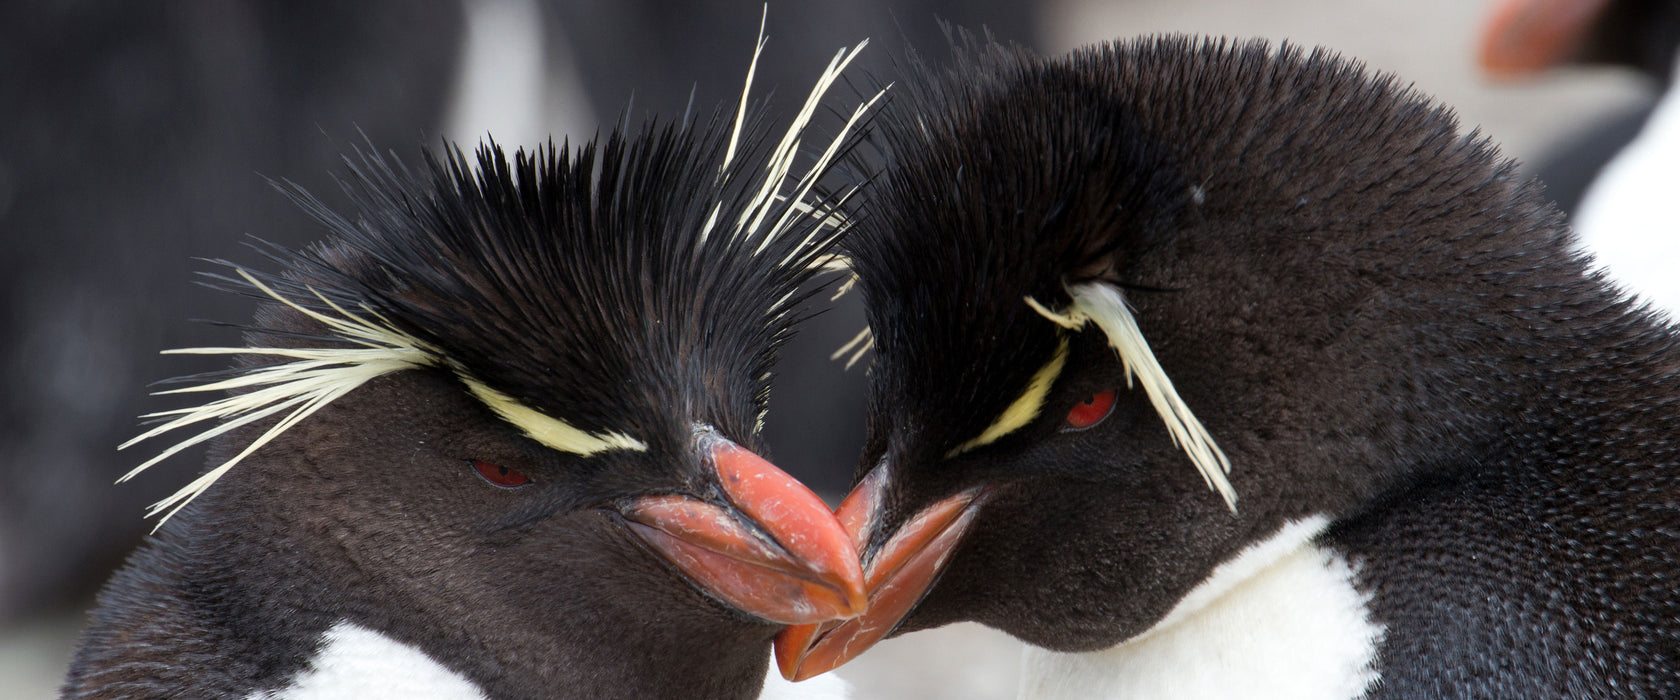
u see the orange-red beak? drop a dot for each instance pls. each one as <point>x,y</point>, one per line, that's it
<point>898,575</point>
<point>777,554</point>
<point>1524,37</point>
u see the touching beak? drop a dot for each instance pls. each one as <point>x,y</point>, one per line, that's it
<point>776,552</point>
<point>898,575</point>
<point>1523,37</point>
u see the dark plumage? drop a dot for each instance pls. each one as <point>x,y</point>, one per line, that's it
<point>1379,324</point>
<point>607,289</point>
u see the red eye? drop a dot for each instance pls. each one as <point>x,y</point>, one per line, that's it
<point>1092,411</point>
<point>500,475</point>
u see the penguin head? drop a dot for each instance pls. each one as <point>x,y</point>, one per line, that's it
<point>510,411</point>
<point>1136,308</point>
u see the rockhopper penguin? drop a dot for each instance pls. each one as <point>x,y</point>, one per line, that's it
<point>495,437</point>
<point>1214,370</point>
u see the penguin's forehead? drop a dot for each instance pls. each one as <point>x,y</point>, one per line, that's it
<point>947,268</point>
<point>569,298</point>
<point>962,383</point>
<point>625,367</point>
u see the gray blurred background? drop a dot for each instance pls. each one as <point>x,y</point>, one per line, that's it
<point>136,137</point>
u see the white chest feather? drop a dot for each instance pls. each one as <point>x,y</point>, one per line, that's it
<point>1280,620</point>
<point>356,663</point>
<point>824,687</point>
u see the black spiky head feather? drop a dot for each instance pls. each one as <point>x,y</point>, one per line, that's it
<point>610,296</point>
<point>580,284</point>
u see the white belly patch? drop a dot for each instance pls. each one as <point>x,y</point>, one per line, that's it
<point>356,663</point>
<point>1282,619</point>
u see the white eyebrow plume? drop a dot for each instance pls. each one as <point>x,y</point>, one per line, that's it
<point>314,378</point>
<point>318,376</point>
<point>1103,304</point>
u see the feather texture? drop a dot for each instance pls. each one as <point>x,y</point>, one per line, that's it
<point>1102,304</point>
<point>519,276</point>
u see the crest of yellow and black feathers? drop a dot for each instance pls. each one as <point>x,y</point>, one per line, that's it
<point>636,285</point>
<point>545,273</point>
<point>1003,179</point>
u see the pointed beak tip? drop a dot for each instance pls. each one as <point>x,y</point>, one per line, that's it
<point>790,646</point>
<point>904,570</point>
<point>725,557</point>
<point>773,551</point>
<point>804,652</point>
<point>835,595</point>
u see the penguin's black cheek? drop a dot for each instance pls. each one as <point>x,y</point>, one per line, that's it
<point>593,545</point>
<point>1120,449</point>
<point>1070,566</point>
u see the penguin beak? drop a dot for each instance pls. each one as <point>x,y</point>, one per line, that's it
<point>1524,37</point>
<point>898,575</point>
<point>774,551</point>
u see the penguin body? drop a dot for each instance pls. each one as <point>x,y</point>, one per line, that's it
<point>1175,339</point>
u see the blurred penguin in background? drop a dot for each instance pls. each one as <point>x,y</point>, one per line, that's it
<point>1616,178</point>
